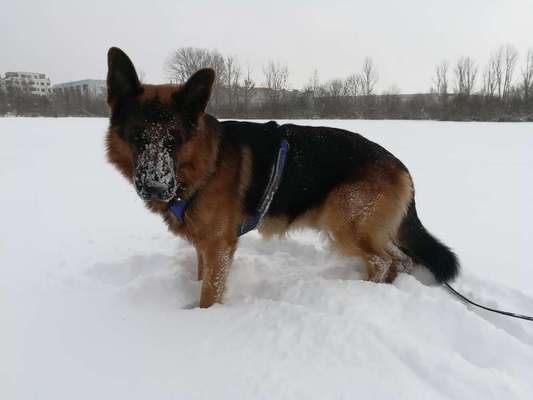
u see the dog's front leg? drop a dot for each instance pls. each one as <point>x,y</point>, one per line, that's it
<point>216,259</point>
<point>200,266</point>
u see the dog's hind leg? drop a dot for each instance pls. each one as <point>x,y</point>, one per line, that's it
<point>401,261</point>
<point>363,217</point>
<point>379,265</point>
<point>380,268</point>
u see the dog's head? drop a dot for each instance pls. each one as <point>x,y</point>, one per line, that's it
<point>150,123</point>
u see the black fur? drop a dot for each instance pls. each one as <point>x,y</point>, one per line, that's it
<point>422,247</point>
<point>193,98</point>
<point>263,141</point>
<point>319,159</point>
<point>122,80</point>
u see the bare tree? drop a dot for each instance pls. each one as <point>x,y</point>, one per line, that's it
<point>313,84</point>
<point>218,64</point>
<point>231,81</point>
<point>353,85</point>
<point>311,94</point>
<point>247,91</point>
<point>510,60</point>
<point>490,79</point>
<point>369,77</point>
<point>333,94</point>
<point>334,88</point>
<point>185,61</point>
<point>496,63</point>
<point>499,72</point>
<point>276,80</point>
<point>527,76</point>
<point>276,76</point>
<point>498,75</point>
<point>465,76</point>
<point>441,81</point>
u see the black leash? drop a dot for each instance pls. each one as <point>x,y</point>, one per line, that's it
<point>509,314</point>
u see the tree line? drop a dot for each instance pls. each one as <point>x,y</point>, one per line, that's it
<point>498,91</point>
<point>501,90</point>
<point>19,101</point>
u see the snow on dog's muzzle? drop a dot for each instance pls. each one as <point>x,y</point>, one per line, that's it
<point>154,172</point>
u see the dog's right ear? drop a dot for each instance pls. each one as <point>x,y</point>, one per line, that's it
<point>194,95</point>
<point>122,80</point>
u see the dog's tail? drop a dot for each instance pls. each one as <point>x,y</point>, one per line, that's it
<point>423,248</point>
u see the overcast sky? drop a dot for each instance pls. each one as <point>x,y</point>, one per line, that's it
<point>68,40</point>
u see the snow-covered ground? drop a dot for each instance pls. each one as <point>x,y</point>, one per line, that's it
<point>97,300</point>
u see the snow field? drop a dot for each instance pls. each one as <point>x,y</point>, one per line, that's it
<point>97,300</point>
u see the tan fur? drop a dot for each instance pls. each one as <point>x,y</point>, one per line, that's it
<point>246,171</point>
<point>279,226</point>
<point>119,153</point>
<point>163,93</point>
<point>363,218</point>
<point>197,158</point>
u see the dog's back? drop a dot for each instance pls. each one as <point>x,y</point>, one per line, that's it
<point>320,159</point>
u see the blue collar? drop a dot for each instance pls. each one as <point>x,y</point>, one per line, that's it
<point>178,207</point>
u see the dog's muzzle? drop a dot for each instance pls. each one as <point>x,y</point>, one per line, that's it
<point>154,176</point>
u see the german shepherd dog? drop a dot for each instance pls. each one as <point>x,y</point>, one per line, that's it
<point>162,140</point>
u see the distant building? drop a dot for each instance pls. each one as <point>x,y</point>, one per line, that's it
<point>92,88</point>
<point>31,82</point>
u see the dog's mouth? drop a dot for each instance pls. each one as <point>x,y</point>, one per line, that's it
<point>154,191</point>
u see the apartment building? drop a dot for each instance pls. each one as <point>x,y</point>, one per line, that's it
<point>32,82</point>
<point>92,88</point>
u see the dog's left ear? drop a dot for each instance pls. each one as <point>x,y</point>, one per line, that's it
<point>122,79</point>
<point>193,97</point>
